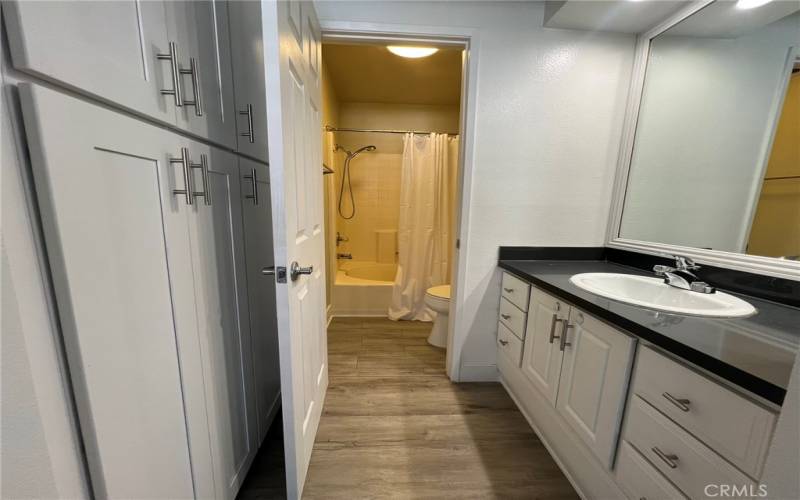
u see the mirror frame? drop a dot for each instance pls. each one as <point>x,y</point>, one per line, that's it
<point>742,262</point>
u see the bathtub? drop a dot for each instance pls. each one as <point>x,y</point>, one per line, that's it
<point>363,288</point>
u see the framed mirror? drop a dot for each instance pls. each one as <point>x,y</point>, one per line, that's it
<point>710,163</point>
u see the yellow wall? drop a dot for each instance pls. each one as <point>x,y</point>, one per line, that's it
<point>330,116</point>
<point>376,175</point>
<point>776,226</point>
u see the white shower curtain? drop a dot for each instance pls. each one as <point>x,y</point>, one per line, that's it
<point>427,222</point>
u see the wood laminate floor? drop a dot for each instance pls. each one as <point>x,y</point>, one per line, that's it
<point>394,426</point>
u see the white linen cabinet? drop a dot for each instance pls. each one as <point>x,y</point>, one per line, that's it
<point>247,61</point>
<point>151,297</point>
<point>153,58</point>
<point>257,216</point>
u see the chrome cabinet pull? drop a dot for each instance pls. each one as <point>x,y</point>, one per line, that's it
<point>682,404</point>
<point>249,133</point>
<point>505,316</point>
<point>503,342</point>
<point>667,459</point>
<point>187,176</point>
<point>206,192</point>
<point>553,322</point>
<point>194,70</point>
<point>254,179</point>
<point>295,270</point>
<point>508,290</point>
<point>172,57</point>
<point>564,332</point>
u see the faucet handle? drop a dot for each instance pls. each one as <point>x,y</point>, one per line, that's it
<point>685,263</point>
<point>661,270</point>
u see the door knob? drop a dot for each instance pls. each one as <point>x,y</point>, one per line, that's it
<point>295,270</point>
<point>268,271</point>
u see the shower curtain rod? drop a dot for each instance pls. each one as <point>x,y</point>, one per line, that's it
<point>328,128</point>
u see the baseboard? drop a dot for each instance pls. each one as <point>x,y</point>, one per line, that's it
<point>345,313</point>
<point>477,372</point>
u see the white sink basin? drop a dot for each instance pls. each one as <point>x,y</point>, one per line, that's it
<point>653,293</point>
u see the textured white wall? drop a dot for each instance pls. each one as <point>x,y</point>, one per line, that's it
<point>548,121</point>
<point>708,111</point>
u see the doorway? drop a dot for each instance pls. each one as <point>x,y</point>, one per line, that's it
<point>395,173</point>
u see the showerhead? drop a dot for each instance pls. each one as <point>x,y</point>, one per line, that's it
<point>365,148</point>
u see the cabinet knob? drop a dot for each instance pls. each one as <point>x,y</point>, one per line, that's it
<point>508,290</point>
<point>505,316</point>
<point>503,342</point>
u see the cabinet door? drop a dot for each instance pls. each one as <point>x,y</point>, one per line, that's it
<point>201,29</point>
<point>106,49</point>
<point>541,358</point>
<point>247,58</point>
<point>118,243</point>
<point>594,382</point>
<point>257,216</point>
<point>222,308</point>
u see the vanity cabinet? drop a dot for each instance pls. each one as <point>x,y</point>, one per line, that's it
<point>144,235</point>
<point>247,59</point>
<point>693,430</point>
<point>581,366</point>
<point>169,61</point>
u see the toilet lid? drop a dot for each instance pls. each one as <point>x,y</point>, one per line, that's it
<point>441,291</point>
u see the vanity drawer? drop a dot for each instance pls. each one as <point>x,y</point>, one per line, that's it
<point>681,458</point>
<point>733,426</point>
<point>516,291</point>
<point>513,318</point>
<point>640,480</point>
<point>509,344</point>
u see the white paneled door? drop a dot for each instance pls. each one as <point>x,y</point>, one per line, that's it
<point>292,58</point>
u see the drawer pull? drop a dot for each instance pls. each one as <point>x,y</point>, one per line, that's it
<point>667,459</point>
<point>505,316</point>
<point>683,404</point>
<point>508,290</point>
<point>503,342</point>
<point>553,322</point>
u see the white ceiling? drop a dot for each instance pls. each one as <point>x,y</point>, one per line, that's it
<point>622,16</point>
<point>370,73</point>
<point>723,19</point>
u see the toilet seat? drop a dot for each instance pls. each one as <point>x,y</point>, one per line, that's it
<point>440,292</point>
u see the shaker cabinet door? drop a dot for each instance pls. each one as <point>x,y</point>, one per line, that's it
<point>107,49</point>
<point>118,243</point>
<point>222,309</point>
<point>594,382</point>
<point>247,58</point>
<point>541,358</point>
<point>201,30</point>
<point>257,216</point>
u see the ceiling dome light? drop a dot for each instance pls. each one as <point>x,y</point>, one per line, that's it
<point>412,52</point>
<point>751,4</point>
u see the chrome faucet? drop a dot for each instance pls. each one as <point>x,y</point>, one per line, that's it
<point>681,276</point>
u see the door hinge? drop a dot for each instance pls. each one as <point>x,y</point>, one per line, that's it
<point>280,274</point>
<point>458,243</point>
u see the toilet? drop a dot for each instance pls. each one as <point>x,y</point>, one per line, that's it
<point>438,299</point>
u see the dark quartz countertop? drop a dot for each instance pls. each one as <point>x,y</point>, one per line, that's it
<point>755,353</point>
